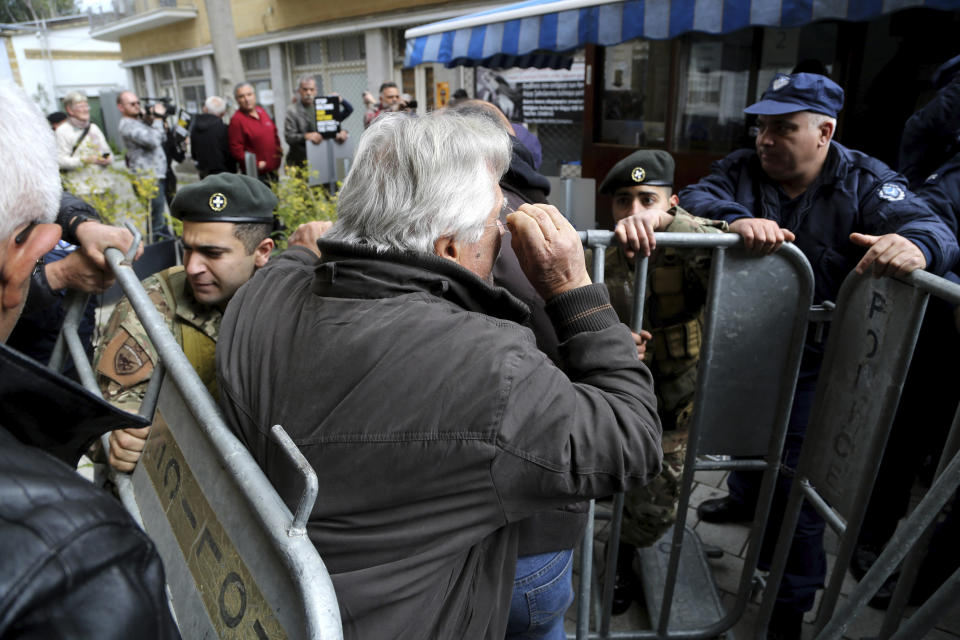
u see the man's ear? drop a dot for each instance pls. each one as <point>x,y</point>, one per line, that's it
<point>674,200</point>
<point>826,132</point>
<point>262,253</point>
<point>447,247</point>
<point>19,260</point>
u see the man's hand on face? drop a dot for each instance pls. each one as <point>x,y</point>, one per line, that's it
<point>635,233</point>
<point>761,235</point>
<point>95,237</point>
<point>306,234</point>
<point>548,249</point>
<point>890,255</point>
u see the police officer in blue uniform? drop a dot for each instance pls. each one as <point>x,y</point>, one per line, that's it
<point>844,210</point>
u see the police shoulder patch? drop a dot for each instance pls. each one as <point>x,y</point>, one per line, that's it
<point>891,191</point>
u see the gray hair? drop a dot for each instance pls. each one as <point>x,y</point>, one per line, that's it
<point>73,98</point>
<point>417,179</point>
<point>29,174</point>
<point>215,105</point>
<point>306,77</point>
<point>816,119</point>
<point>237,87</point>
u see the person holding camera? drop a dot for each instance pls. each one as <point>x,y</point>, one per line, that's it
<point>390,100</point>
<point>143,135</point>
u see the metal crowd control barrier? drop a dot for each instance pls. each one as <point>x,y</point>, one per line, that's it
<point>238,562</point>
<point>868,354</point>
<point>755,322</point>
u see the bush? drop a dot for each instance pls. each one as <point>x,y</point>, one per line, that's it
<point>117,195</point>
<point>300,202</point>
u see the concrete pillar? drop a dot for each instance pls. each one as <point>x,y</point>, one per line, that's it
<point>225,50</point>
<point>209,77</point>
<point>280,86</point>
<point>379,59</point>
<point>420,87</point>
<point>149,81</point>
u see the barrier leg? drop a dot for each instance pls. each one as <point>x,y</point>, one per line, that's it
<point>905,537</point>
<point>911,568</point>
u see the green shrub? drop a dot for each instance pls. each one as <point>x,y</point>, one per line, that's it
<point>299,202</point>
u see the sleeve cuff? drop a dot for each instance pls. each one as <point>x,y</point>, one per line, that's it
<point>581,309</point>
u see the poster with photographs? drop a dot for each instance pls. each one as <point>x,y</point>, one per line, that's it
<point>535,96</point>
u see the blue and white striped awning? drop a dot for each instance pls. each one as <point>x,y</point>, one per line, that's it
<point>563,25</point>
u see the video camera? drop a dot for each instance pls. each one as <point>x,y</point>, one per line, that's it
<point>150,103</point>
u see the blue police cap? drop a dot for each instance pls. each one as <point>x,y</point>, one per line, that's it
<point>799,92</point>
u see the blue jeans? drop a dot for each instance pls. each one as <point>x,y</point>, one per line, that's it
<point>158,221</point>
<point>542,593</point>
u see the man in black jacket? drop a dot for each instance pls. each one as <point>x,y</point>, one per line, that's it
<point>75,564</point>
<point>435,424</point>
<point>208,140</point>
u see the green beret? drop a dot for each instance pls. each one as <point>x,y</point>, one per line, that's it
<point>647,166</point>
<point>225,197</point>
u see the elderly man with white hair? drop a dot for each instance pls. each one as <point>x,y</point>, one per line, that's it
<point>75,563</point>
<point>82,149</point>
<point>434,423</point>
<point>209,145</point>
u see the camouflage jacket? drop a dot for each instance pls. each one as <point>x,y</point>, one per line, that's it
<point>126,358</point>
<point>673,312</point>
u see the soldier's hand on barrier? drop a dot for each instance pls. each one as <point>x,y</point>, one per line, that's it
<point>761,235</point>
<point>306,234</point>
<point>635,233</point>
<point>78,271</point>
<point>126,447</point>
<point>890,255</point>
<point>641,339</point>
<point>548,249</point>
<point>95,237</point>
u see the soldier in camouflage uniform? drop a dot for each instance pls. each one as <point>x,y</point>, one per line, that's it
<point>227,221</point>
<point>643,202</point>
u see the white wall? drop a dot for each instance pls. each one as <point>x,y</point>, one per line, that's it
<point>61,74</point>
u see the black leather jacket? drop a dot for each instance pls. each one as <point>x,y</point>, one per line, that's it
<point>73,563</point>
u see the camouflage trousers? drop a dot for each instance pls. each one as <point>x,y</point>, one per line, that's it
<point>650,510</point>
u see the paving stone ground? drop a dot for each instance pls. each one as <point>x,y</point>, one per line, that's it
<point>726,573</point>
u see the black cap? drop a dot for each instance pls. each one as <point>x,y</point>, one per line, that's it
<point>225,197</point>
<point>799,92</point>
<point>647,166</point>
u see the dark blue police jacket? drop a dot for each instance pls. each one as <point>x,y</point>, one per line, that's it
<point>853,193</point>
<point>941,192</point>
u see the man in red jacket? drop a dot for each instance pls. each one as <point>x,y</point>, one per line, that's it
<point>251,129</point>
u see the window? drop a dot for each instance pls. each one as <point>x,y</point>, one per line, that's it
<point>307,52</point>
<point>346,48</point>
<point>636,93</point>
<point>189,68</point>
<point>712,92</point>
<point>256,59</point>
